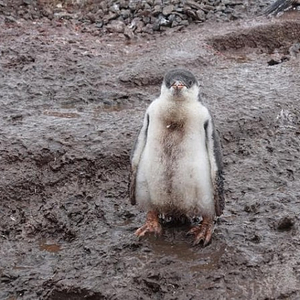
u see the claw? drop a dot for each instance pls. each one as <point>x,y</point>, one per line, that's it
<point>202,232</point>
<point>151,226</point>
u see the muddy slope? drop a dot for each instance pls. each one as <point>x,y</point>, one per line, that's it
<point>71,106</point>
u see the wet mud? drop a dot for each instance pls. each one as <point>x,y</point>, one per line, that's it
<point>71,106</point>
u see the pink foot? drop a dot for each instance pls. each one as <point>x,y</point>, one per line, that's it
<point>151,226</point>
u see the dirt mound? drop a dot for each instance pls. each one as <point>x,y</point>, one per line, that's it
<point>266,38</point>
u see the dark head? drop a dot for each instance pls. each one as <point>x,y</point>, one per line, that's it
<point>180,84</point>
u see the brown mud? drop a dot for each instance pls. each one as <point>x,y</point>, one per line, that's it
<point>71,106</point>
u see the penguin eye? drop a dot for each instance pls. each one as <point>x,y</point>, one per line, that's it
<point>190,82</point>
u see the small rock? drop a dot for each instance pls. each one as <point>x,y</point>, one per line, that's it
<point>157,10</point>
<point>109,17</point>
<point>27,2</point>
<point>10,19</point>
<point>128,33</point>
<point>193,4</point>
<point>163,21</point>
<point>63,15</point>
<point>201,16</point>
<point>167,10</point>
<point>285,223</point>
<point>174,24</point>
<point>156,25</point>
<point>148,29</point>
<point>139,26</point>
<point>191,14</point>
<point>123,4</point>
<point>184,22</point>
<point>294,50</point>
<point>91,17</point>
<point>115,8</point>
<point>116,26</point>
<point>125,13</point>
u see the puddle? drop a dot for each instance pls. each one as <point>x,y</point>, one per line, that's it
<point>61,114</point>
<point>53,248</point>
<point>198,257</point>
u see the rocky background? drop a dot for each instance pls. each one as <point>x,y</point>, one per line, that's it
<point>132,17</point>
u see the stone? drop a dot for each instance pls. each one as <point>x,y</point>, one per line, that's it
<point>193,4</point>
<point>167,10</point>
<point>116,26</point>
<point>157,10</point>
<point>184,23</point>
<point>91,17</point>
<point>123,4</point>
<point>201,16</point>
<point>148,29</point>
<point>125,13</point>
<point>109,17</point>
<point>128,33</point>
<point>192,14</point>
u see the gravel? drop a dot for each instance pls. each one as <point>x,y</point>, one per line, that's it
<point>131,17</point>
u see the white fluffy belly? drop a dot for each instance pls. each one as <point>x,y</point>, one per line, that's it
<point>178,182</point>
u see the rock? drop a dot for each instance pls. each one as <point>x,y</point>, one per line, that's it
<point>116,26</point>
<point>109,17</point>
<point>167,10</point>
<point>285,223</point>
<point>156,26</point>
<point>125,13</point>
<point>139,26</point>
<point>148,29</point>
<point>91,17</point>
<point>27,2</point>
<point>63,15</point>
<point>99,14</point>
<point>103,6</point>
<point>193,4</point>
<point>184,22</point>
<point>115,8</point>
<point>123,4</point>
<point>128,33</point>
<point>163,21</point>
<point>146,20</point>
<point>132,6</point>
<point>191,14</point>
<point>10,19</point>
<point>157,10</point>
<point>294,50</point>
<point>201,16</point>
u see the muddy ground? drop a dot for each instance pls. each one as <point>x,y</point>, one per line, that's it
<point>71,105</point>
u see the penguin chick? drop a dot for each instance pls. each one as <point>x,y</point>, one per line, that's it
<point>176,165</point>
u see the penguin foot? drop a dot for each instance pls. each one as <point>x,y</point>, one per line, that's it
<point>152,225</point>
<point>203,232</point>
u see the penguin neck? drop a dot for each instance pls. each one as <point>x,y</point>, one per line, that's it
<point>175,110</point>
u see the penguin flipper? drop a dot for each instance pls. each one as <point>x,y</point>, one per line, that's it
<point>135,158</point>
<point>214,149</point>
